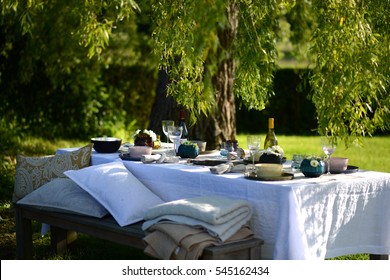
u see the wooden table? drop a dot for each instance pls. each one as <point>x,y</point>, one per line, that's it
<point>302,218</point>
<point>64,228</point>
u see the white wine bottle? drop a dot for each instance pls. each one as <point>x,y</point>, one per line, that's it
<point>270,139</point>
<point>182,123</point>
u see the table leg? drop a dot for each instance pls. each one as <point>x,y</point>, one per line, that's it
<point>60,239</point>
<point>24,245</point>
<point>379,257</point>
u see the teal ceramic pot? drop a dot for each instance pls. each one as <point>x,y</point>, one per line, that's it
<point>312,167</point>
<point>188,150</point>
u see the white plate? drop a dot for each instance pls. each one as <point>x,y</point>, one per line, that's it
<point>161,150</point>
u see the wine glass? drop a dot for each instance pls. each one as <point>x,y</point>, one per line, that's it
<point>174,134</point>
<point>165,124</point>
<point>253,143</point>
<point>328,146</point>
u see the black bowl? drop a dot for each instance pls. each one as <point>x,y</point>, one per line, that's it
<point>106,144</point>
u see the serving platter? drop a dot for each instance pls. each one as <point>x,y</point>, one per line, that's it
<point>253,176</point>
<point>162,150</point>
<point>127,156</point>
<point>208,161</point>
<point>350,169</point>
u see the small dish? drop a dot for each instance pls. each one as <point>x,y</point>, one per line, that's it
<point>128,157</point>
<point>350,169</point>
<point>208,161</point>
<point>161,150</point>
<point>253,176</point>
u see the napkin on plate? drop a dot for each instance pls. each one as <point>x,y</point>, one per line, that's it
<point>226,168</point>
<point>159,158</point>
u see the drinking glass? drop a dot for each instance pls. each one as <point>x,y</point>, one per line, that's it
<point>296,162</point>
<point>174,134</point>
<point>165,124</point>
<point>253,143</point>
<point>328,147</point>
<point>226,147</point>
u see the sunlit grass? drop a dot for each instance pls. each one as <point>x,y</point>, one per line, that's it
<point>373,155</point>
<point>39,146</point>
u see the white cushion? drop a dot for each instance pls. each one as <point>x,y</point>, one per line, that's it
<point>64,195</point>
<point>117,189</point>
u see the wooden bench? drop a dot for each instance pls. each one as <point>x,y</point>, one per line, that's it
<point>64,228</point>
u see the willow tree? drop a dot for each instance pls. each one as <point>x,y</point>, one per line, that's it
<point>54,62</point>
<point>217,50</point>
<point>351,77</point>
<point>214,50</point>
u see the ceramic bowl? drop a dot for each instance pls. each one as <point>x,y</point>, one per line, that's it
<point>138,151</point>
<point>269,169</point>
<point>106,144</point>
<point>201,145</point>
<point>338,164</point>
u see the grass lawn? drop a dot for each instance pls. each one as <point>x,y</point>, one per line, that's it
<point>372,156</point>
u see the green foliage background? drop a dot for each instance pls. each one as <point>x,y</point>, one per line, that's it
<point>77,69</point>
<point>55,81</point>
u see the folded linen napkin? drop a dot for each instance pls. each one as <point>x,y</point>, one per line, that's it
<point>159,158</point>
<point>220,216</point>
<point>226,168</point>
<point>150,158</point>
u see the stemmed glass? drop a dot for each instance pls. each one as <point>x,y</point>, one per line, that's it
<point>174,134</point>
<point>165,124</point>
<point>328,147</point>
<point>253,143</point>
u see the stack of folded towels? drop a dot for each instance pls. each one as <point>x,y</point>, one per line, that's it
<point>181,229</point>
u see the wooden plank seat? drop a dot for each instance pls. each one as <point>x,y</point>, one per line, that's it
<point>64,228</point>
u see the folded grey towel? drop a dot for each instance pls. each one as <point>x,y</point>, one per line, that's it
<point>220,216</point>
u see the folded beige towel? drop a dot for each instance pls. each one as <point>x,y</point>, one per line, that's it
<point>177,241</point>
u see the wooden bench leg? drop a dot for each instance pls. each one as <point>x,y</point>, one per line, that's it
<point>60,239</point>
<point>379,257</point>
<point>24,245</point>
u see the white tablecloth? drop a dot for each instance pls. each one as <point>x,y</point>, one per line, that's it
<point>297,219</point>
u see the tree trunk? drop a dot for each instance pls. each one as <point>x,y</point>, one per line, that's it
<point>220,125</point>
<point>164,107</point>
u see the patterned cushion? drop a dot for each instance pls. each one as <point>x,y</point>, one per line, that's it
<point>33,172</point>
